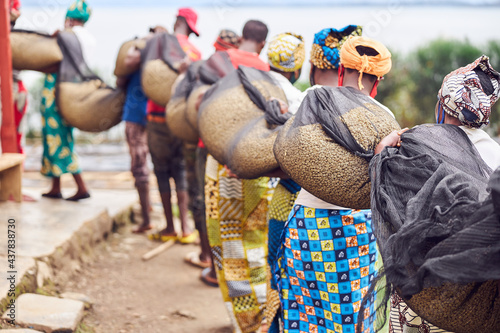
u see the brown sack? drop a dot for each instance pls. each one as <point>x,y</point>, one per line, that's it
<point>323,166</point>
<point>120,68</point>
<point>157,80</point>
<point>34,51</point>
<point>90,106</point>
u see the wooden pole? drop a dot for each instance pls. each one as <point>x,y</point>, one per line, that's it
<point>8,128</point>
<point>157,250</point>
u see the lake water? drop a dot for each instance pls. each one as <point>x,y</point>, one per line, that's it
<point>401,28</point>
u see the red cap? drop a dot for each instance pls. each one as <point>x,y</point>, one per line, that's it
<point>191,18</point>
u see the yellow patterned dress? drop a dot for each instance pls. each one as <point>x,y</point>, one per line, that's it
<point>237,231</point>
<point>57,136</point>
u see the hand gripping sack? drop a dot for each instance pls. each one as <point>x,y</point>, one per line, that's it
<point>228,119</point>
<point>176,110</point>
<point>327,145</point>
<point>120,68</point>
<point>34,51</point>
<point>436,217</point>
<point>160,62</point>
<point>83,99</point>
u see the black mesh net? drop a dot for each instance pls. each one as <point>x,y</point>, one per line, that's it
<point>163,46</point>
<point>326,147</point>
<point>216,67</point>
<point>84,100</point>
<point>188,83</point>
<point>237,121</point>
<point>437,223</point>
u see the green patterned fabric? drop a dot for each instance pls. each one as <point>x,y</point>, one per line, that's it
<point>57,136</point>
<point>79,10</point>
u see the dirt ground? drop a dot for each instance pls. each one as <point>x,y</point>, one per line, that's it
<point>161,295</point>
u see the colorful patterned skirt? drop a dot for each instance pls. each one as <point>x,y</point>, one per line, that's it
<point>57,136</point>
<point>237,231</point>
<point>325,267</point>
<point>280,207</point>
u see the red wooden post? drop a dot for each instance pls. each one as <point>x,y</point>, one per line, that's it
<point>8,129</point>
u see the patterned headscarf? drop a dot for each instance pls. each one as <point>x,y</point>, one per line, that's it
<point>469,92</point>
<point>226,40</point>
<point>327,44</point>
<point>377,65</point>
<point>79,10</point>
<point>286,52</point>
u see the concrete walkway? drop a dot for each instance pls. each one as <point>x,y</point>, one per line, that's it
<point>49,238</point>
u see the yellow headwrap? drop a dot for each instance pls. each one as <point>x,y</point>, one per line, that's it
<point>286,52</point>
<point>378,65</point>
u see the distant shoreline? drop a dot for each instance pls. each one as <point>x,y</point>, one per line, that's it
<point>297,5</point>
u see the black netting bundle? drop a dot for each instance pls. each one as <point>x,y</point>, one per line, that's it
<point>233,124</point>
<point>437,223</point>
<point>160,60</point>
<point>327,145</point>
<point>83,99</point>
<point>177,108</point>
<point>34,51</point>
<point>216,67</point>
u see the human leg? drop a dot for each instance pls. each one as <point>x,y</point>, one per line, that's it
<point>138,147</point>
<point>81,192</point>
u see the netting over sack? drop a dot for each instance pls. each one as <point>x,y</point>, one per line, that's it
<point>232,121</point>
<point>160,62</point>
<point>120,68</point>
<point>34,51</point>
<point>176,110</point>
<point>437,224</point>
<point>216,67</point>
<point>326,146</point>
<point>83,99</point>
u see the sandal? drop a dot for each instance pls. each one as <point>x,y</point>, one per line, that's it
<point>52,195</point>
<point>208,279</point>
<point>189,239</point>
<point>158,236</point>
<point>193,258</point>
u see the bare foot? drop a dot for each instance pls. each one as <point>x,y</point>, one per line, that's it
<point>142,229</point>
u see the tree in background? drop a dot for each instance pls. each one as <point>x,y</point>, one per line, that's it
<point>410,89</point>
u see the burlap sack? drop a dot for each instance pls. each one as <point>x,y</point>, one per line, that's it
<point>160,60</point>
<point>324,166</point>
<point>191,112</point>
<point>157,80</point>
<point>90,106</point>
<point>468,308</point>
<point>120,68</point>
<point>176,118</point>
<point>34,51</point>
<point>227,115</point>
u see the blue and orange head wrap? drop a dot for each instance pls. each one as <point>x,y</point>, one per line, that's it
<point>325,53</point>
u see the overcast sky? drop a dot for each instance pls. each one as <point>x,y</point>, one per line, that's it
<point>237,3</point>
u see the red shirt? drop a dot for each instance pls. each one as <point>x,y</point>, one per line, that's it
<point>249,59</point>
<point>192,52</point>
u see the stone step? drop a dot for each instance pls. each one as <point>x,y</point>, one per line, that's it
<point>47,314</point>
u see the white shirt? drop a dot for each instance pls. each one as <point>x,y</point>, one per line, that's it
<point>488,148</point>
<point>88,44</point>
<point>293,95</point>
